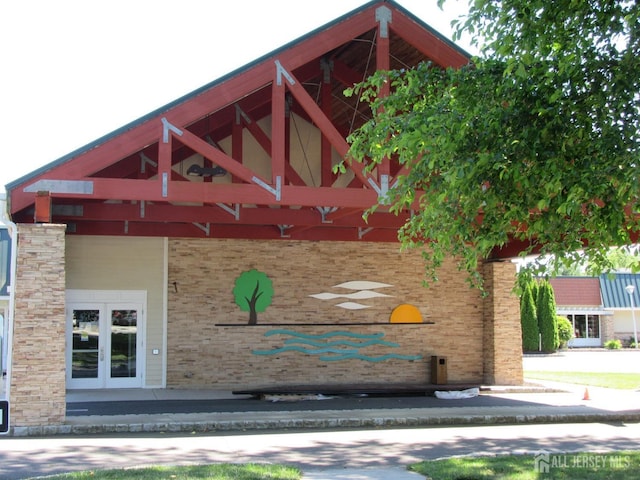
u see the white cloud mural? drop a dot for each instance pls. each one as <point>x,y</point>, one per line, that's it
<point>364,290</point>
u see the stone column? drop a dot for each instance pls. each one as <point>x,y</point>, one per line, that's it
<point>502,338</point>
<point>37,395</point>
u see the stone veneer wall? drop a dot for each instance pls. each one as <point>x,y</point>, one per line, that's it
<point>211,345</point>
<point>608,330</point>
<point>502,330</point>
<point>38,368</point>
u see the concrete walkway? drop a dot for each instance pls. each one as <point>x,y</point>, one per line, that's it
<point>496,406</point>
<point>211,411</point>
<point>196,411</point>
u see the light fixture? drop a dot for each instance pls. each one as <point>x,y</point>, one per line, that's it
<point>196,170</point>
<point>630,289</point>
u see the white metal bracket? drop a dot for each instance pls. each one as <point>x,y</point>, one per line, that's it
<point>324,211</point>
<point>82,187</point>
<point>143,162</point>
<point>363,231</point>
<point>283,229</point>
<point>206,228</point>
<point>383,15</point>
<point>166,128</point>
<point>281,72</point>
<point>277,192</point>
<point>165,184</point>
<point>233,211</point>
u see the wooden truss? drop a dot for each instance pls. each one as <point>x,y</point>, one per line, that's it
<point>230,160</point>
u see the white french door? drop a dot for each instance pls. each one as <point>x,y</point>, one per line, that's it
<point>104,345</point>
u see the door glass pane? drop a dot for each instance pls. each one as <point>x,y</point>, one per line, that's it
<point>124,334</point>
<point>581,326</point>
<point>84,355</point>
<point>594,326</point>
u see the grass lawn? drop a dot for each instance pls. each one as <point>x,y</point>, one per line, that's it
<point>222,471</point>
<point>624,381</point>
<point>578,466</point>
<point>582,466</point>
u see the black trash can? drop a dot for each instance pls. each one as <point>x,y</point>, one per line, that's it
<point>438,370</point>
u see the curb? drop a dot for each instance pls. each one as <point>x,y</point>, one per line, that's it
<point>318,423</point>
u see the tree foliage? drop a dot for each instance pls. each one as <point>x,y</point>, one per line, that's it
<point>623,258</point>
<point>547,319</point>
<point>535,142</point>
<point>529,320</point>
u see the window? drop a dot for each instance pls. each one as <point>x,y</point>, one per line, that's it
<point>585,326</point>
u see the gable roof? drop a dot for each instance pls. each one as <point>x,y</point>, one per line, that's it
<point>606,291</point>
<point>576,291</point>
<point>135,180</point>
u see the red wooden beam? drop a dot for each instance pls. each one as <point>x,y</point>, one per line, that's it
<point>325,125</point>
<point>278,134</point>
<point>383,62</point>
<point>188,230</point>
<point>265,142</point>
<point>43,208</point>
<point>151,212</point>
<point>430,44</point>
<point>216,156</point>
<point>326,154</point>
<point>208,193</point>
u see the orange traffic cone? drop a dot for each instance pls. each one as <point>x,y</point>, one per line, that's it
<point>586,394</point>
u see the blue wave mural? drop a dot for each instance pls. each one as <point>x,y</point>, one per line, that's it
<point>320,345</point>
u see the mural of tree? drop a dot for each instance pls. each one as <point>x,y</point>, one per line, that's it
<point>253,292</point>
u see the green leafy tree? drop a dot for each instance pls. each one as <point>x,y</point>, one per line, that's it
<point>620,258</point>
<point>546,313</point>
<point>535,288</point>
<point>253,292</point>
<point>535,142</point>
<point>625,258</point>
<point>529,320</point>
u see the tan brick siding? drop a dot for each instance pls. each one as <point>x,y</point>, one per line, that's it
<point>502,330</point>
<point>38,369</point>
<point>204,354</point>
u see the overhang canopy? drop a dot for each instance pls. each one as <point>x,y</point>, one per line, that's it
<point>250,155</point>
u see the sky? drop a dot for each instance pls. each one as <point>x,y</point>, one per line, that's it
<point>73,71</point>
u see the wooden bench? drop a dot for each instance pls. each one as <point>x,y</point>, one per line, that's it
<point>355,389</point>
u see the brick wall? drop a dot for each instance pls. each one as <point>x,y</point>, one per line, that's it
<point>502,330</point>
<point>211,345</point>
<point>38,369</point>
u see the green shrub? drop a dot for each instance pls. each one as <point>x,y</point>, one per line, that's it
<point>632,342</point>
<point>546,312</point>
<point>528,320</point>
<point>613,344</point>
<point>565,331</point>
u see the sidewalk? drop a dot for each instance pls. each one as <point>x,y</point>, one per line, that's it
<point>210,411</point>
<point>219,411</point>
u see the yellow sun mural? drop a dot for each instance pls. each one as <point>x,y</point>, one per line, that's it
<point>405,313</point>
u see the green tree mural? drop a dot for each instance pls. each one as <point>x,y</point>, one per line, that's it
<point>253,292</point>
